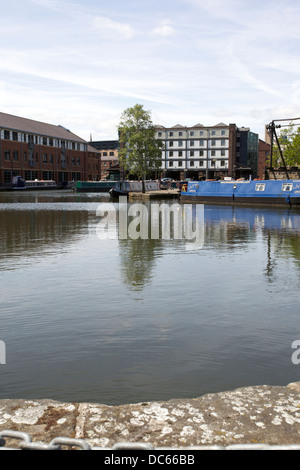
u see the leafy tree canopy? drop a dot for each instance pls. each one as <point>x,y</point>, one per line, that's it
<point>289,140</point>
<point>140,151</point>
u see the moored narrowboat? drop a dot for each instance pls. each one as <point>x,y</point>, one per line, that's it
<point>255,192</point>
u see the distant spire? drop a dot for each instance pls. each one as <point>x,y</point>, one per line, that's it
<point>91,140</point>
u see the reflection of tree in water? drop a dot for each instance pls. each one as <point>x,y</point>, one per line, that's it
<point>137,261</point>
<point>294,245</point>
<point>280,245</point>
<point>272,257</point>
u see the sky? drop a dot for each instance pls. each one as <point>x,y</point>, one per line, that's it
<point>81,63</point>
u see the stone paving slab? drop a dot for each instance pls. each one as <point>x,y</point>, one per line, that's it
<point>251,415</point>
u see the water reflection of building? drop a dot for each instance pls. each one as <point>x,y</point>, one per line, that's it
<point>27,234</point>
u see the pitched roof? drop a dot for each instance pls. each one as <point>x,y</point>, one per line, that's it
<point>221,124</point>
<point>16,123</point>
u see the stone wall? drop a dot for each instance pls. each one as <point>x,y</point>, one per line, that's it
<point>280,173</point>
<point>251,415</point>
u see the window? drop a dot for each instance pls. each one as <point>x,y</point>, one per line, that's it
<point>180,153</point>
<point>6,155</point>
<point>51,142</point>
<point>6,135</point>
<point>213,153</point>
<point>15,136</point>
<point>44,140</point>
<point>7,176</point>
<point>171,153</point>
<point>180,143</point>
<point>222,162</point>
<point>192,133</point>
<point>51,158</point>
<point>213,132</point>
<point>223,132</point>
<point>180,134</point>
<point>45,158</point>
<point>223,142</point>
<point>212,163</point>
<point>171,134</point>
<point>170,163</point>
<point>179,163</point>
<point>201,153</point>
<point>171,143</point>
<point>222,153</point>
<point>192,153</point>
<point>287,187</point>
<point>192,143</point>
<point>201,142</point>
<point>192,163</point>
<point>213,143</point>
<point>25,156</point>
<point>16,155</point>
<point>201,163</point>
<point>260,187</point>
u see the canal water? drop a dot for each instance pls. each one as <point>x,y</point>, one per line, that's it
<point>89,319</point>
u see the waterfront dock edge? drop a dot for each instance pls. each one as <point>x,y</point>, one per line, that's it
<point>267,415</point>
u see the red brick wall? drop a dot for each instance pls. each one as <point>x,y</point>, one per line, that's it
<point>86,164</point>
<point>263,154</point>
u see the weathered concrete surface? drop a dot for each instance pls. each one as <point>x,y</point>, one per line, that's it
<point>261,414</point>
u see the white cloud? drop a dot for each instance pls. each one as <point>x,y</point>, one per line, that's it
<point>201,61</point>
<point>164,29</point>
<point>107,26</point>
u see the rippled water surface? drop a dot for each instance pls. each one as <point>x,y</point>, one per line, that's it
<point>118,321</point>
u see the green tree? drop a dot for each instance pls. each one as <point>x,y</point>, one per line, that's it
<point>289,140</point>
<point>140,152</point>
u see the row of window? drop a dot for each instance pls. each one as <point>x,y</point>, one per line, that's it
<point>222,164</point>
<point>41,140</point>
<point>192,133</point>
<point>14,156</point>
<point>284,187</point>
<point>200,153</point>
<point>106,154</point>
<point>200,143</point>
<point>30,175</point>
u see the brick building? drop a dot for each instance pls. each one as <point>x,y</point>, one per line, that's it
<point>37,150</point>
<point>264,151</point>
<point>109,154</point>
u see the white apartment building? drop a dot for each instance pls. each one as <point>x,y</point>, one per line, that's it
<point>197,149</point>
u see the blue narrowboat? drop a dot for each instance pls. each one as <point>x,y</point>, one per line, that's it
<point>260,192</point>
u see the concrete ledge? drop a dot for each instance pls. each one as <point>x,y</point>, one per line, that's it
<point>251,415</point>
<point>163,194</point>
